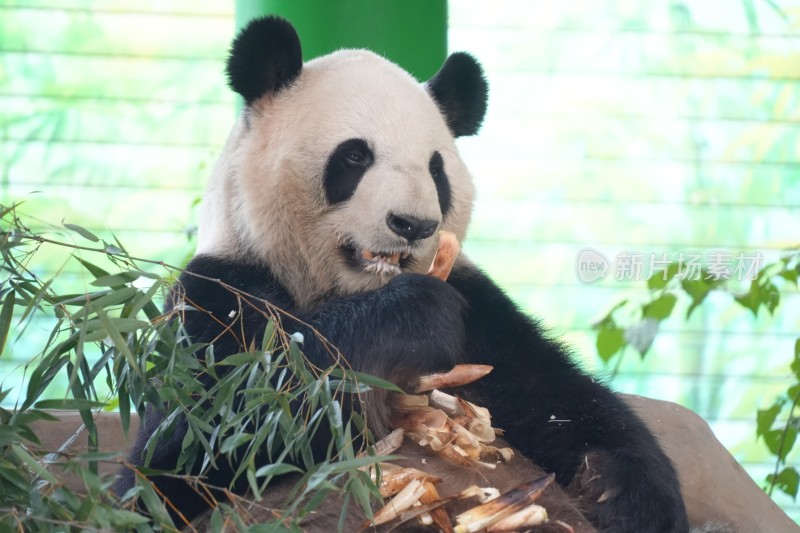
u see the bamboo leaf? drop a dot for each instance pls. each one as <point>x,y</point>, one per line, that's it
<point>74,404</point>
<point>94,270</point>
<point>231,443</point>
<point>360,462</point>
<point>122,520</point>
<point>6,314</point>
<point>47,369</point>
<point>79,299</point>
<point>154,505</point>
<point>142,299</point>
<point>33,464</point>
<point>276,470</point>
<point>364,379</point>
<point>110,249</point>
<point>122,325</point>
<point>39,295</point>
<point>108,298</point>
<point>119,342</point>
<point>83,232</point>
<point>11,474</point>
<point>360,487</point>
<point>343,513</point>
<point>114,280</point>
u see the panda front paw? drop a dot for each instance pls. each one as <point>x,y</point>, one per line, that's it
<point>428,315</point>
<point>626,494</point>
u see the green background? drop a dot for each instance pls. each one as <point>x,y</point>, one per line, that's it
<point>412,33</point>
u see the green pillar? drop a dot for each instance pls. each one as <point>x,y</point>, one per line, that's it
<point>412,33</point>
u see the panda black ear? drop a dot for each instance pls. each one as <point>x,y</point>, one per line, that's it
<point>461,91</point>
<point>265,57</point>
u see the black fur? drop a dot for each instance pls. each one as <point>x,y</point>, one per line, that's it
<point>552,412</point>
<point>346,166</point>
<point>265,57</point>
<point>461,92</point>
<point>566,421</point>
<point>436,168</point>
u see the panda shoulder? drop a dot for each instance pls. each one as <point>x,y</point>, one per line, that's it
<point>215,279</point>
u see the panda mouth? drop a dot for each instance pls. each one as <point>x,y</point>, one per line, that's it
<point>378,262</point>
<point>381,263</point>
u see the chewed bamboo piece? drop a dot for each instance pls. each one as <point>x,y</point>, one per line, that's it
<point>455,429</point>
<point>530,516</point>
<point>512,502</point>
<point>446,255</point>
<point>393,481</point>
<point>408,496</point>
<point>459,375</point>
<point>460,432</point>
<point>438,515</point>
<point>390,443</point>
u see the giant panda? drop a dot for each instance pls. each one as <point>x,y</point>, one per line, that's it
<point>326,202</point>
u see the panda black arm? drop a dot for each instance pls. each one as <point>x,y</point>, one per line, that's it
<point>412,325</point>
<point>566,421</point>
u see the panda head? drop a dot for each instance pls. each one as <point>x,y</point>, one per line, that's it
<point>341,171</point>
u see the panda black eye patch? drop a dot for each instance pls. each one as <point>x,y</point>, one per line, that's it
<point>436,168</point>
<point>345,168</point>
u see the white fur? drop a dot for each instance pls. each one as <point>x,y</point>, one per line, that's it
<point>266,197</point>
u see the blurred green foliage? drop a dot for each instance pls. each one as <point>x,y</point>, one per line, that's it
<point>634,324</point>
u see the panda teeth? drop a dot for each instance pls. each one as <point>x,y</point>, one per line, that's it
<point>372,257</point>
<point>383,264</point>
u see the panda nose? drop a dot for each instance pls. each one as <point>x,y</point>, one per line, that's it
<point>411,228</point>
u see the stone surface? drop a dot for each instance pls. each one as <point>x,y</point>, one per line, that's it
<point>715,487</point>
